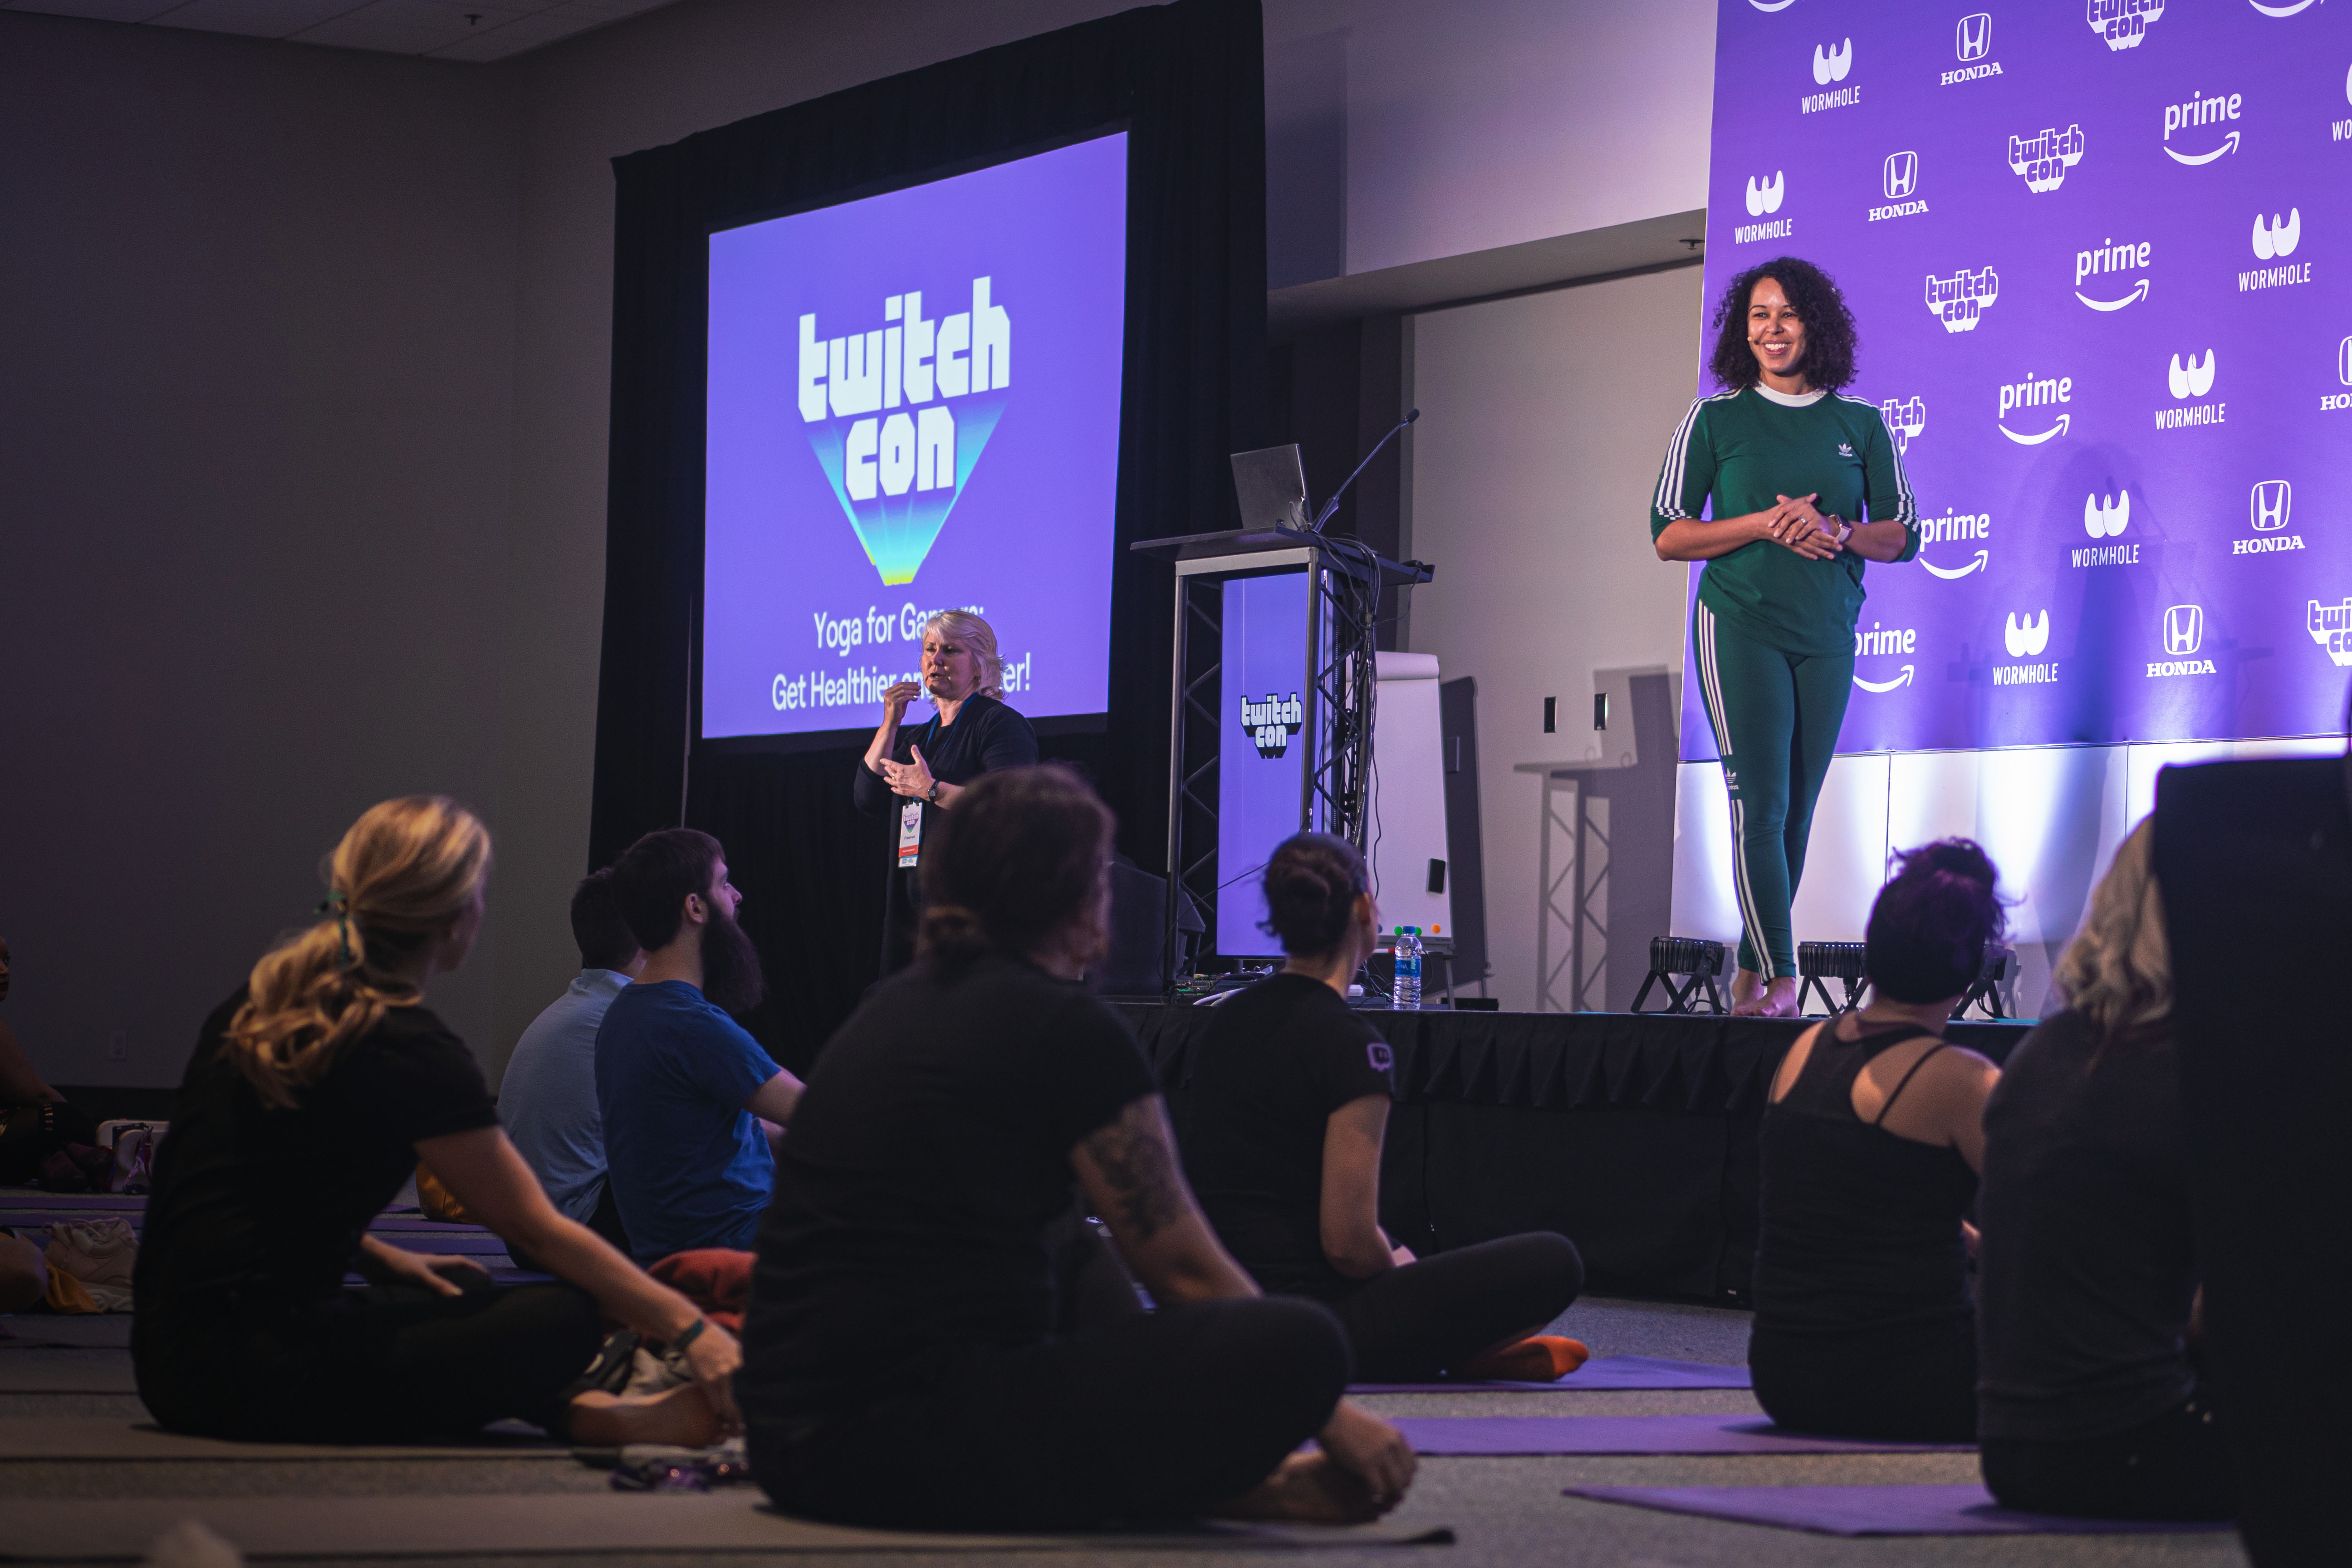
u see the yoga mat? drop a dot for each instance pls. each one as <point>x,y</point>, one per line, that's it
<point>550,1527</point>
<point>26,1372</point>
<point>80,1331</point>
<point>97,1438</point>
<point>1461,1435</point>
<point>32,1199</point>
<point>1876,1511</point>
<point>1608,1372</point>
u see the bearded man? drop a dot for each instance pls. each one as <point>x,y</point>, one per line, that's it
<point>691,1104</point>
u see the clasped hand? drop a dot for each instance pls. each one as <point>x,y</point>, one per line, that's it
<point>1795,525</point>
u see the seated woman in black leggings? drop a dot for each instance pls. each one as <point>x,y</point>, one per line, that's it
<point>2088,1402</point>
<point>901,1365</point>
<point>1871,1148</point>
<point>315,1091</point>
<point>1284,1114</point>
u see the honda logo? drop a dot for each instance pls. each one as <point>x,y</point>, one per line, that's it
<point>1902,176</point>
<point>1973,39</point>
<point>2273,499</point>
<point>2184,629</point>
<point>2343,349</point>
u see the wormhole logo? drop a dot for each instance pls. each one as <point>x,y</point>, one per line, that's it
<point>1764,196</point>
<point>2192,380</point>
<point>2277,239</point>
<point>2028,638</point>
<point>2104,518</point>
<point>900,414</point>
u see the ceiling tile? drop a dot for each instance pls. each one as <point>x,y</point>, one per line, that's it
<point>360,30</point>
<point>97,10</point>
<point>258,18</point>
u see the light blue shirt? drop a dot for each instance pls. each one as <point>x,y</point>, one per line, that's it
<point>548,1100</point>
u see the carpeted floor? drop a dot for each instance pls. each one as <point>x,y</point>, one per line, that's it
<point>1501,1511</point>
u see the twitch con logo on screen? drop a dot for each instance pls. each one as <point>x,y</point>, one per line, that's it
<point>900,414</point>
<point>1270,724</point>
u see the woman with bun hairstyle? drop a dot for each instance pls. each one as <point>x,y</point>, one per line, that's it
<point>1284,1113</point>
<point>911,777</point>
<point>2090,1401</point>
<point>1871,1146</point>
<point>315,1092</point>
<point>1807,485</point>
<point>902,1365</point>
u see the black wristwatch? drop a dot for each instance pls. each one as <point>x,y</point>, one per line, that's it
<point>934,796</point>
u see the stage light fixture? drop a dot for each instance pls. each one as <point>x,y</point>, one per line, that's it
<point>1819,962</point>
<point>1695,961</point>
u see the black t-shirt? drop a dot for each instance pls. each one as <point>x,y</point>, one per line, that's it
<point>1265,1077</point>
<point>927,1158</point>
<point>2087,1266</point>
<point>986,736</point>
<point>270,1204</point>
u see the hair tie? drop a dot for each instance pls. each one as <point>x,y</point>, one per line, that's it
<point>339,906</point>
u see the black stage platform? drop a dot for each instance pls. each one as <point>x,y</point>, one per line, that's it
<point>1632,1133</point>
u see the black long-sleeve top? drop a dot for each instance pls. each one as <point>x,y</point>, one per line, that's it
<point>986,735</point>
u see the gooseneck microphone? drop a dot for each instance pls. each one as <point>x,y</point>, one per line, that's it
<point>1333,504</point>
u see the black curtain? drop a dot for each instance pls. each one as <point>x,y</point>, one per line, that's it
<point>1187,81</point>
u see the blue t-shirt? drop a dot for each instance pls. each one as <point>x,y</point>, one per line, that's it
<point>689,1166</point>
<point>548,1098</point>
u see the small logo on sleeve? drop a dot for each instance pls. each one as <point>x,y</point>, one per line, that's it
<point>1380,1055</point>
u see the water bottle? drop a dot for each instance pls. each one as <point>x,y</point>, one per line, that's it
<point>1405,994</point>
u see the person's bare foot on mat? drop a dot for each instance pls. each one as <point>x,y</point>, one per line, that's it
<point>1779,1000</point>
<point>682,1416</point>
<point>1306,1488</point>
<point>1746,985</point>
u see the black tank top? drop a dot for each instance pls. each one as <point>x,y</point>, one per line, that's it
<point>1861,1228</point>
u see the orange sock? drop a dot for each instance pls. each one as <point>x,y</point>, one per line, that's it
<point>1542,1358</point>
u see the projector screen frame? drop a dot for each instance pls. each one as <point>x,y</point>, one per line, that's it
<point>1093,724</point>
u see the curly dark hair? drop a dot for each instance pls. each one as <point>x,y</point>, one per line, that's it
<point>1830,335</point>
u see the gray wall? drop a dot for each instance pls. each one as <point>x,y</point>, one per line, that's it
<point>1544,421</point>
<point>257,379</point>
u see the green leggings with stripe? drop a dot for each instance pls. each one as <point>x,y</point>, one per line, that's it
<point>1775,717</point>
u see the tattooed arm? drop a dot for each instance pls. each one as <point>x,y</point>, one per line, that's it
<point>1130,1173</point>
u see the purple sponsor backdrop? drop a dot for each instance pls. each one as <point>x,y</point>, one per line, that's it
<point>2131,437</point>
<point>913,406</point>
<point>1262,746</point>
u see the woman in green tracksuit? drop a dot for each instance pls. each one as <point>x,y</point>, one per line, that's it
<point>1806,485</point>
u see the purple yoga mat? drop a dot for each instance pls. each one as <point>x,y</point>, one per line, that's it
<point>1876,1511</point>
<point>1601,1373</point>
<point>1461,1435</point>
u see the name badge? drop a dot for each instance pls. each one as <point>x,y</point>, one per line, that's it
<point>910,834</point>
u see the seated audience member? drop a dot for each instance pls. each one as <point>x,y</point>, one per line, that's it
<point>1872,1143</point>
<point>548,1097</point>
<point>43,1122</point>
<point>690,1102</point>
<point>2087,1401</point>
<point>24,1274</point>
<point>1282,1122</point>
<point>903,1368</point>
<point>314,1092</point>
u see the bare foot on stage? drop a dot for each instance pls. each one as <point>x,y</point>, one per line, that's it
<point>1779,1000</point>
<point>681,1417</point>
<point>1746,985</point>
<point>1304,1489</point>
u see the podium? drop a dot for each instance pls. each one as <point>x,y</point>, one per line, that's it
<point>1270,717</point>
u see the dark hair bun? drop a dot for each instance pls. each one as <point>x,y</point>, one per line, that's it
<point>1311,886</point>
<point>1932,920</point>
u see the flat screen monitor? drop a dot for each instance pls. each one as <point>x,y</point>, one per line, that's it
<point>914,406</point>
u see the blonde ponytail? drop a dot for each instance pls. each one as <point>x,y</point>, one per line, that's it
<point>408,869</point>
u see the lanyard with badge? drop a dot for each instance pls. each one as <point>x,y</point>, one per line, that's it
<point>910,814</point>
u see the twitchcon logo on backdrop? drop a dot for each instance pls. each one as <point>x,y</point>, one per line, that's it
<point>898,474</point>
<point>2123,22</point>
<point>2330,627</point>
<point>2043,159</point>
<point>1959,300</point>
<point>1906,417</point>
